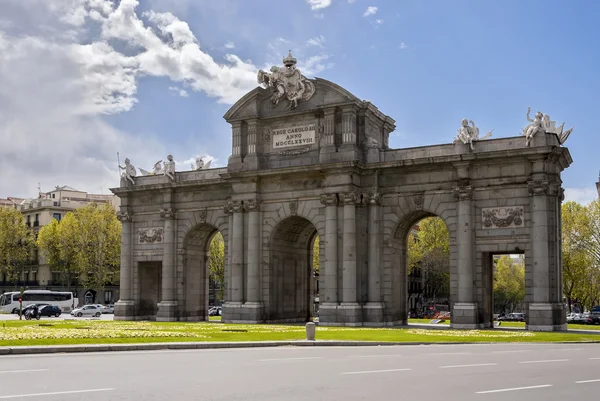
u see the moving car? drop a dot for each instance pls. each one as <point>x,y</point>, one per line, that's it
<point>50,310</point>
<point>87,310</point>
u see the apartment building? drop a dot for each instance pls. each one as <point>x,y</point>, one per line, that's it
<point>39,212</point>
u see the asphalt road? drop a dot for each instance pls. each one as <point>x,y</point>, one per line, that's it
<point>434,372</point>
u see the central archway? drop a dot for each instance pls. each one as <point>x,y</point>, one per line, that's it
<point>291,283</point>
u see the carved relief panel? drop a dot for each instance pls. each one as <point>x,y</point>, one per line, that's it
<point>503,217</point>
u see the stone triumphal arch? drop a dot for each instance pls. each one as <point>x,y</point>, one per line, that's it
<point>309,158</point>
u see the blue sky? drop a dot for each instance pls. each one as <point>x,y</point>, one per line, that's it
<point>427,64</point>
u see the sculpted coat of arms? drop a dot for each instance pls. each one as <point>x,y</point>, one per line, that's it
<point>287,82</point>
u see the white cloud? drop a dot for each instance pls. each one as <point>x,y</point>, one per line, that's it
<point>371,10</point>
<point>402,45</point>
<point>319,15</point>
<point>229,45</point>
<point>318,4</point>
<point>179,91</point>
<point>351,1</point>
<point>316,41</point>
<point>379,21</point>
<point>315,64</point>
<point>581,195</point>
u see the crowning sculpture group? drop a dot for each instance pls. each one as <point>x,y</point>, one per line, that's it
<point>289,83</point>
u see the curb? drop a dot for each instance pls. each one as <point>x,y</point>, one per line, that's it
<point>64,349</point>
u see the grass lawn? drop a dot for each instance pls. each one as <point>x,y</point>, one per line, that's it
<point>15,333</point>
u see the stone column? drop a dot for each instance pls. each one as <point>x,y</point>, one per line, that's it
<point>167,307</point>
<point>374,307</point>
<point>329,272</point>
<point>349,150</point>
<point>125,306</point>
<point>351,310</point>
<point>252,307</point>
<point>546,310</point>
<point>464,313</point>
<point>237,253</point>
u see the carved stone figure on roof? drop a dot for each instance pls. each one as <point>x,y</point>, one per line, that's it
<point>169,167</point>
<point>543,123</point>
<point>467,134</point>
<point>129,172</point>
<point>288,82</point>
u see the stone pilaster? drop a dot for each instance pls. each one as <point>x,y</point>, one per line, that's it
<point>167,307</point>
<point>253,306</point>
<point>546,310</point>
<point>350,309</point>
<point>251,158</point>
<point>235,160</point>
<point>464,313</point>
<point>125,306</point>
<point>237,253</point>
<point>328,147</point>
<point>329,272</point>
<point>349,150</point>
<point>374,306</point>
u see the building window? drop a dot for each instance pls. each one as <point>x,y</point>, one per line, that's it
<point>56,216</point>
<point>36,222</point>
<point>28,221</point>
<point>53,196</point>
<point>108,297</point>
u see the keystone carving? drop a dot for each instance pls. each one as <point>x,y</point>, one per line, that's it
<point>329,199</point>
<point>202,215</point>
<point>150,235</point>
<point>294,207</point>
<point>418,199</point>
<point>502,217</point>
<point>167,213</point>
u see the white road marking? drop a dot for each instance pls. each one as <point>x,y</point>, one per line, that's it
<point>23,371</point>
<point>373,356</point>
<point>588,381</point>
<point>512,352</point>
<point>290,359</point>
<point>468,366</point>
<point>375,371</point>
<point>5,397</point>
<point>594,359</point>
<point>547,361</point>
<point>448,353</point>
<point>513,389</point>
<point>565,349</point>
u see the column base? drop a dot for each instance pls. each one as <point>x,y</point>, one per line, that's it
<point>167,311</point>
<point>124,310</point>
<point>350,314</point>
<point>464,316</point>
<point>328,313</point>
<point>546,317</point>
<point>252,312</point>
<point>373,314</point>
<point>232,312</point>
<point>328,154</point>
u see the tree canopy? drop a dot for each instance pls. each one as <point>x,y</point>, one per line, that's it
<point>85,244</point>
<point>16,243</point>
<point>509,284</point>
<point>216,264</point>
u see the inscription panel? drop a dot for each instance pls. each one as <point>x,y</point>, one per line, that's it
<point>286,137</point>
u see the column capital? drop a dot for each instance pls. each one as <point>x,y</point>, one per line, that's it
<point>329,199</point>
<point>253,205</point>
<point>350,198</point>
<point>228,208</point>
<point>167,213</point>
<point>237,206</point>
<point>124,216</point>
<point>463,191</point>
<point>373,198</point>
<point>538,187</point>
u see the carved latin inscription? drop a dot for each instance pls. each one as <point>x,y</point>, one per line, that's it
<point>502,217</point>
<point>150,235</point>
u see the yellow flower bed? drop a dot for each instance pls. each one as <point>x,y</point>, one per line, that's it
<point>471,333</point>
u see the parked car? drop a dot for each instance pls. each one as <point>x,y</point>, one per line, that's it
<point>87,310</point>
<point>593,319</point>
<point>50,310</point>
<point>28,307</point>
<point>215,311</point>
<point>578,318</point>
<point>512,317</point>
<point>109,309</point>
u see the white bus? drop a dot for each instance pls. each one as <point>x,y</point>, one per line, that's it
<point>9,301</point>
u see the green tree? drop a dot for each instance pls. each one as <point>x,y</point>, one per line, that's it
<point>575,257</point>
<point>429,250</point>
<point>509,284</point>
<point>16,243</point>
<point>216,264</point>
<point>316,261</point>
<point>86,244</point>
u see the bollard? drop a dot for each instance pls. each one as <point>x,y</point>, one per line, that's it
<point>310,331</point>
